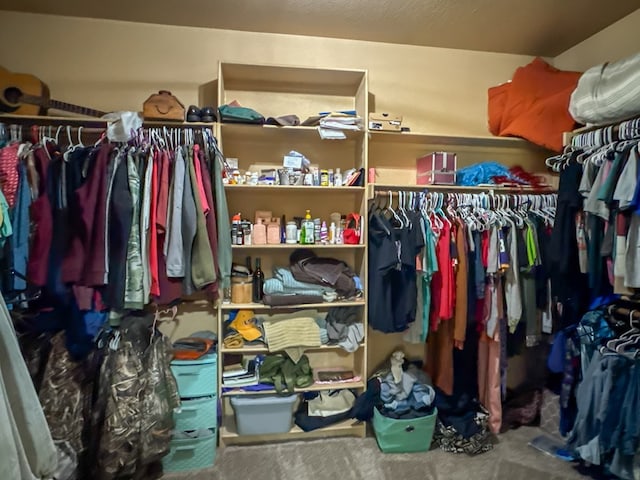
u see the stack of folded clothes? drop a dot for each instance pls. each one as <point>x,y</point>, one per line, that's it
<point>284,289</point>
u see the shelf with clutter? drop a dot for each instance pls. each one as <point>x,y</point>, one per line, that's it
<point>293,322</point>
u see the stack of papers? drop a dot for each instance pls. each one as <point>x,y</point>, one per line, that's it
<point>341,121</point>
<point>331,125</point>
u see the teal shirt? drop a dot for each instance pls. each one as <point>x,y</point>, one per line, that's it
<point>429,267</point>
<point>5,227</point>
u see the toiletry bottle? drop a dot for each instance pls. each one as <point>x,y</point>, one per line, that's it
<point>337,179</point>
<point>332,233</point>
<point>258,282</point>
<point>308,229</point>
<point>302,239</point>
<point>316,230</point>
<point>236,227</point>
<point>331,178</point>
<point>324,234</point>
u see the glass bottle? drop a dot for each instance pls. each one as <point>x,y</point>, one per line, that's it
<point>258,282</point>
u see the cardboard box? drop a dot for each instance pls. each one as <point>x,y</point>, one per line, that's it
<point>390,122</point>
<point>437,168</point>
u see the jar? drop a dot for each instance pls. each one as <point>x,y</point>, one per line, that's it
<point>241,289</point>
<point>291,232</point>
<point>324,178</point>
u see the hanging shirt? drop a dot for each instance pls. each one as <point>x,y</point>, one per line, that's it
<point>121,215</point>
<point>461,300</point>
<point>153,226</point>
<point>443,280</point>
<point>42,224</point>
<point>9,176</point>
<point>6,229</point>
<point>145,222</point>
<point>512,291</point>
<point>628,182</point>
<point>162,162</point>
<point>19,241</point>
<point>199,180</point>
<point>202,268</point>
<point>175,246</point>
<point>134,292</point>
<point>210,218</point>
<point>418,331</point>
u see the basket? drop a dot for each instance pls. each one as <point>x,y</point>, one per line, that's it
<point>404,436</point>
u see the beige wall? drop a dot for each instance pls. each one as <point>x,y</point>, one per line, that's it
<point>613,43</point>
<point>116,65</point>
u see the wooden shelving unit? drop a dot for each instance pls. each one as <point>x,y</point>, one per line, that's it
<point>346,428</point>
<point>304,189</point>
<point>487,141</point>
<point>264,349</point>
<point>316,387</point>
<point>261,306</point>
<point>275,91</point>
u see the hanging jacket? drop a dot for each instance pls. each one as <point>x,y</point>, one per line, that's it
<point>202,266</point>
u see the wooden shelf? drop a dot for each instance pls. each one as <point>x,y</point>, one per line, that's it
<point>292,188</point>
<point>377,187</point>
<point>294,246</point>
<point>437,139</point>
<point>248,349</point>
<point>229,434</point>
<point>79,120</point>
<point>316,387</point>
<point>286,79</point>
<point>247,132</point>
<point>261,306</point>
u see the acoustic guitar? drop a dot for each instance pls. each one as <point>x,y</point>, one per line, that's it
<point>24,94</point>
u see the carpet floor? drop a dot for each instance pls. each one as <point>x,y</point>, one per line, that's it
<point>360,459</point>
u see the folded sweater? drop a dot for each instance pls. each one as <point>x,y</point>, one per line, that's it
<point>283,283</point>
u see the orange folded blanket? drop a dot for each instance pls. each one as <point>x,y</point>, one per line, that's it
<point>534,105</point>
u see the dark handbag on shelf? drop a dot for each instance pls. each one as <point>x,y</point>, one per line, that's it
<point>163,106</point>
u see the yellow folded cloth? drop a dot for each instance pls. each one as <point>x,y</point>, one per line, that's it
<point>294,332</point>
<point>233,340</point>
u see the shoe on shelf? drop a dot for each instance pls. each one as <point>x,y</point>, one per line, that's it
<point>208,114</point>
<point>194,114</point>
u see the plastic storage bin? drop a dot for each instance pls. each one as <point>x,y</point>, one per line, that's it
<point>196,378</point>
<point>196,414</point>
<point>190,453</point>
<point>263,414</point>
<point>404,436</point>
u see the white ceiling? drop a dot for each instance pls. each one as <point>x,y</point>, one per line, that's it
<point>530,27</point>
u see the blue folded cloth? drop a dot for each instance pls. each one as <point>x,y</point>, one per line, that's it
<point>283,283</point>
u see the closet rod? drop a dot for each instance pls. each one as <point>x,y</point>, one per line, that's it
<point>77,121</point>
<point>496,191</point>
<point>626,312</point>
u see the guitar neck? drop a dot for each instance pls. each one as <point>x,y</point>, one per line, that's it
<point>67,107</point>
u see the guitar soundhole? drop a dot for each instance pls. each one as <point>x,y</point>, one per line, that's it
<point>12,94</point>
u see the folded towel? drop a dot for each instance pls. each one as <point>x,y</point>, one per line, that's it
<point>294,332</point>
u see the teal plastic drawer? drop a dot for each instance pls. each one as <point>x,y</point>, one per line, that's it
<point>196,378</point>
<point>404,436</point>
<point>196,414</point>
<point>190,453</point>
